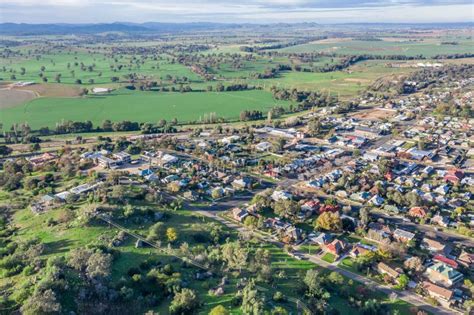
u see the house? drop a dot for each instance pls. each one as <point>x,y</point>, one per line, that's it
<point>445,260</point>
<point>239,214</point>
<point>328,208</point>
<point>242,183</point>
<point>403,236</point>
<point>466,259</point>
<point>358,250</point>
<point>336,247</point>
<point>377,200</point>
<point>387,270</point>
<point>122,157</point>
<point>310,206</point>
<point>42,159</point>
<point>145,172</point>
<point>442,295</point>
<point>417,212</point>
<point>380,228</point>
<point>454,176</point>
<point>433,245</point>
<point>106,162</point>
<point>322,239</point>
<point>281,195</point>
<point>444,275</point>
<point>263,146</point>
<point>440,220</point>
<point>191,195</point>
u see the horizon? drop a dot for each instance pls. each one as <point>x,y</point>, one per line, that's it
<point>245,12</point>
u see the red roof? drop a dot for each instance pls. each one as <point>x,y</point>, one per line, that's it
<point>417,212</point>
<point>328,208</point>
<point>446,260</point>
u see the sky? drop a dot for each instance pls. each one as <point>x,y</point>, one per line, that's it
<point>236,11</point>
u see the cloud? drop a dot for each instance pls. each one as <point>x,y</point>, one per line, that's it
<point>88,11</point>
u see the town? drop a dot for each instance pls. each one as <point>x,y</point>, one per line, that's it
<point>319,204</point>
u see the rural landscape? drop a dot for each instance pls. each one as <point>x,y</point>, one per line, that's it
<point>213,168</point>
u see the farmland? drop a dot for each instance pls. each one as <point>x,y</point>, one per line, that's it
<point>407,47</point>
<point>139,106</point>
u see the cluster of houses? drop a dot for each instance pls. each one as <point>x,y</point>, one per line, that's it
<point>50,201</point>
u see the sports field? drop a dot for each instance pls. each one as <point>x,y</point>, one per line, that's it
<point>138,106</point>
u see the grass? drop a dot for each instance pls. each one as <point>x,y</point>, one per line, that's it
<point>56,63</point>
<point>342,83</point>
<point>328,257</point>
<point>138,106</point>
<point>427,47</point>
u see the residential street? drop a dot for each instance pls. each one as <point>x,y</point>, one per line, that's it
<point>406,296</point>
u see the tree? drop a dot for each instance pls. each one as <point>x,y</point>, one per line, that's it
<point>171,234</point>
<point>4,150</point>
<point>41,302</point>
<point>252,303</point>
<point>414,199</point>
<point>335,279</point>
<point>314,127</point>
<point>184,302</point>
<point>219,310</point>
<point>98,265</point>
<point>329,221</point>
<point>279,310</point>
<point>250,221</point>
<point>286,208</point>
<point>414,263</point>
<point>174,187</point>
<point>402,281</point>
<point>364,216</point>
<point>312,280</point>
<point>156,232</point>
<point>235,255</point>
<point>216,193</point>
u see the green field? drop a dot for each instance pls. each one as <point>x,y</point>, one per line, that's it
<point>57,63</point>
<point>426,48</point>
<point>138,106</point>
<point>344,83</point>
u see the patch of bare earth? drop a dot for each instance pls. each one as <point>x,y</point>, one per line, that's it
<point>52,90</point>
<point>374,114</point>
<point>12,97</point>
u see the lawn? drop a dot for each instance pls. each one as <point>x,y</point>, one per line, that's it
<point>138,106</point>
<point>328,257</point>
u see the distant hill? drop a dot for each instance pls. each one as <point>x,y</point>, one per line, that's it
<point>63,29</point>
<point>157,27</point>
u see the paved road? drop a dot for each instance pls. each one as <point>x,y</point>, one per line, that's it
<point>403,295</point>
<point>409,226</point>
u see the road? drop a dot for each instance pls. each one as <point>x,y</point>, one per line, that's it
<point>406,296</point>
<point>414,227</point>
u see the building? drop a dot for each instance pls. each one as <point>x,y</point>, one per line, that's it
<point>122,157</point>
<point>466,259</point>
<point>106,162</point>
<point>387,270</point>
<point>403,236</point>
<point>42,159</point>
<point>358,250</point>
<point>444,275</point>
<point>417,212</point>
<point>445,260</point>
<point>433,245</point>
<point>239,214</point>
<point>336,247</point>
<point>442,295</point>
